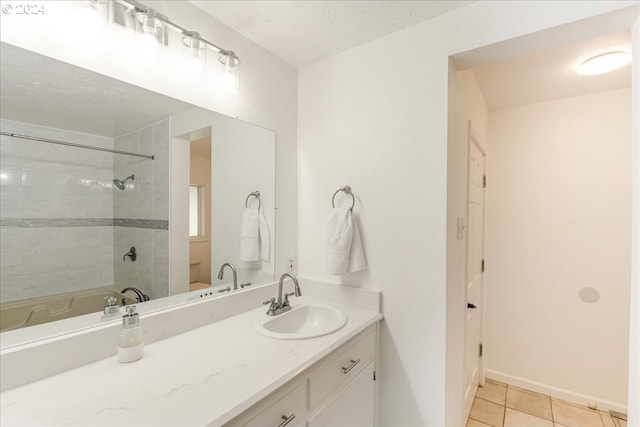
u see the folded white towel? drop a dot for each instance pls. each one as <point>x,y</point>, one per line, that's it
<point>249,235</point>
<point>265,238</point>
<point>339,238</point>
<point>356,254</point>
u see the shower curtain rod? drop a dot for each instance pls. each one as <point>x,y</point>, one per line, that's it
<point>71,144</point>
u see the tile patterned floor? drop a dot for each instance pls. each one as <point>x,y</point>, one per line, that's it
<point>502,405</point>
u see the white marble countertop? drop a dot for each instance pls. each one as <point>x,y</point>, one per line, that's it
<point>205,376</point>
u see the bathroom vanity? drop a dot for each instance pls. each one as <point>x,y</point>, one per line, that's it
<point>222,373</point>
<point>338,390</point>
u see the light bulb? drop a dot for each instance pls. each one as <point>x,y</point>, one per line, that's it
<point>193,63</point>
<point>85,17</point>
<point>197,53</point>
<point>604,63</point>
<point>150,28</point>
<point>229,81</point>
<point>148,43</point>
<point>231,70</point>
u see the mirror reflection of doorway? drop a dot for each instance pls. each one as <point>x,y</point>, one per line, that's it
<point>200,210</point>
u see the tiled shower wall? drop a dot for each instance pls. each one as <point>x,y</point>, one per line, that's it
<point>63,224</point>
<point>56,213</point>
<point>142,211</point>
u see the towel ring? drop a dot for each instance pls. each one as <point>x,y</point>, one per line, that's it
<point>346,189</point>
<point>255,194</point>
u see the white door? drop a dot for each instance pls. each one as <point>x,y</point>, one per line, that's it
<point>474,270</point>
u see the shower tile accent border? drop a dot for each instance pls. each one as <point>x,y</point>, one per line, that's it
<point>152,224</point>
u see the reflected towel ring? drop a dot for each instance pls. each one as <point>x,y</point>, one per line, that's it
<point>346,189</point>
<point>255,194</point>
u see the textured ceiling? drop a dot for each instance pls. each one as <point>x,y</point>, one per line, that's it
<point>302,32</point>
<point>41,90</point>
<point>551,74</point>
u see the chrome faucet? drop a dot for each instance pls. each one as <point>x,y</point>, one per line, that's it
<point>140,296</point>
<point>282,305</point>
<point>235,275</point>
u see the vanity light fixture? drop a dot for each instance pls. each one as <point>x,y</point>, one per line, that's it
<point>197,49</point>
<point>89,14</point>
<point>230,61</point>
<point>604,63</point>
<point>150,25</point>
<point>155,25</point>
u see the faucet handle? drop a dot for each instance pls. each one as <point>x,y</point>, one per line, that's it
<point>272,308</point>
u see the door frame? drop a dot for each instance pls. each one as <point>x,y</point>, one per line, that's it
<point>472,139</point>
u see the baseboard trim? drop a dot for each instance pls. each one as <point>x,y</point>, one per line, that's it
<point>558,393</point>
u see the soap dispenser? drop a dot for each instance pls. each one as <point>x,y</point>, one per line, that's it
<point>130,344</point>
<point>111,309</point>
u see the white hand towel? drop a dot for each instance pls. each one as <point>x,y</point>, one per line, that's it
<point>265,238</point>
<point>356,254</point>
<point>339,238</point>
<point>249,235</point>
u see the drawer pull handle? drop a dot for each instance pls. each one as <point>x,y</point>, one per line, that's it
<point>351,366</point>
<point>287,420</point>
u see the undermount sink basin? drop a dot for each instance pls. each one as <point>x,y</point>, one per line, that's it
<point>306,320</point>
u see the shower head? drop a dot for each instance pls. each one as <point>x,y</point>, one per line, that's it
<point>122,183</point>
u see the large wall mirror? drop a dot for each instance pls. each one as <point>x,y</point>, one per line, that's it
<point>110,192</point>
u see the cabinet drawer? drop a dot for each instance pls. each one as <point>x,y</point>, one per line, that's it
<point>339,370</point>
<point>292,403</point>
<point>351,407</point>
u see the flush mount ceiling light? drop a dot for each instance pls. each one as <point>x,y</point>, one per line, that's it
<point>604,63</point>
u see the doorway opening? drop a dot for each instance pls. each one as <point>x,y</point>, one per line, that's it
<point>555,318</point>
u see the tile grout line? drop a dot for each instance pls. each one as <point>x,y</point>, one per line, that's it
<point>504,410</point>
<point>504,414</point>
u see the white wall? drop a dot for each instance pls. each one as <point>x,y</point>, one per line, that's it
<point>559,220</point>
<point>239,169</point>
<point>380,125</point>
<point>267,95</point>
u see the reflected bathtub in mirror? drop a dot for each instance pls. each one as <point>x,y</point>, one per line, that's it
<point>36,311</point>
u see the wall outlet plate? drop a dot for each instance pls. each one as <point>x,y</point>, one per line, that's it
<point>292,265</point>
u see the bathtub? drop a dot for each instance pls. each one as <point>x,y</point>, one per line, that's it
<point>34,311</point>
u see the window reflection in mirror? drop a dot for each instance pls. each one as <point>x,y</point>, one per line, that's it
<point>195,204</point>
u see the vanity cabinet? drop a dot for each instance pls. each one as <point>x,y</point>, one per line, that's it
<point>338,390</point>
<point>352,406</point>
<point>284,410</point>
